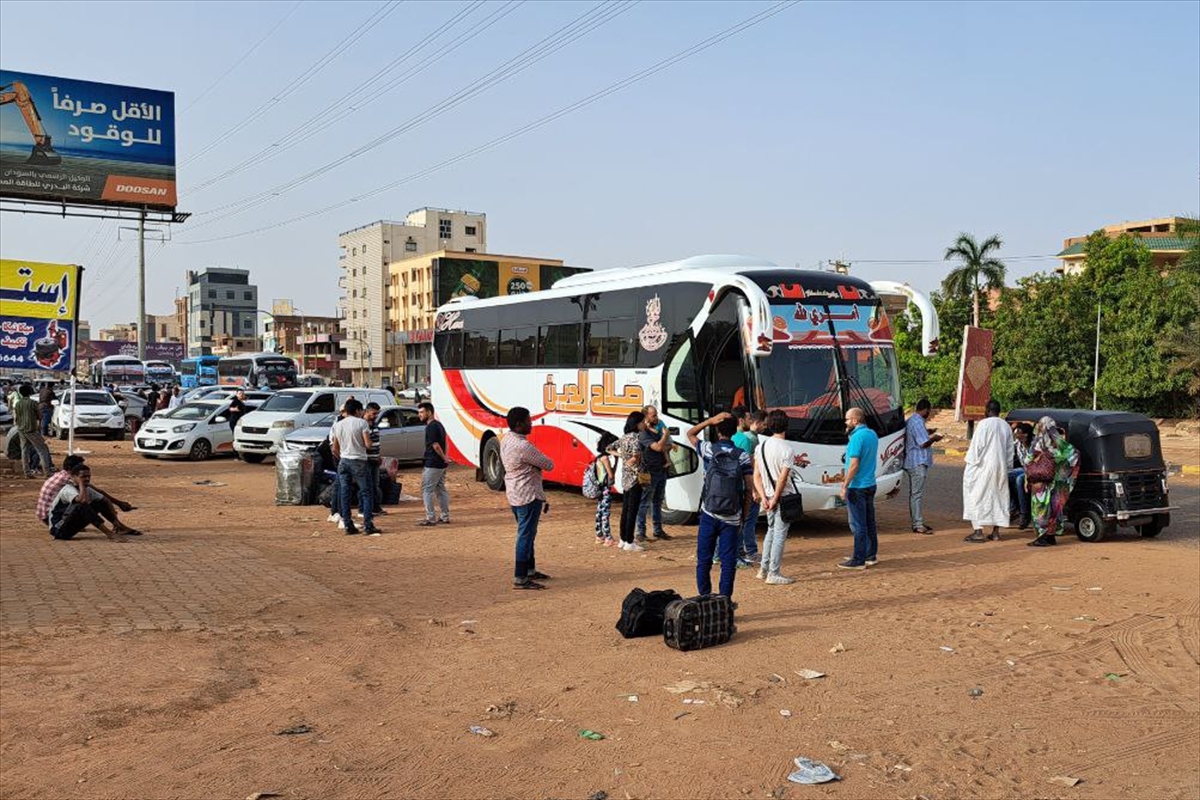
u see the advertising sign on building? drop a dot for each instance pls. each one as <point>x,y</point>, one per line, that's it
<point>461,277</point>
<point>39,304</point>
<point>155,351</point>
<point>974,374</point>
<point>70,140</point>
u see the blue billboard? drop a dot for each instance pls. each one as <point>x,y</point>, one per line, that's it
<point>69,140</point>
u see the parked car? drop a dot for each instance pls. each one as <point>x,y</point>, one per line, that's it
<point>411,392</point>
<point>260,433</point>
<point>193,430</point>
<point>6,419</point>
<point>201,392</point>
<point>401,434</point>
<point>1122,476</point>
<point>96,412</point>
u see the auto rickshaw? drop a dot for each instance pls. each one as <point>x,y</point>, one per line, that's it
<point>1122,476</point>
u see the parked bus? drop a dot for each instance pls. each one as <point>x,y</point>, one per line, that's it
<point>692,338</point>
<point>160,372</point>
<point>257,370</point>
<point>118,371</point>
<point>198,371</point>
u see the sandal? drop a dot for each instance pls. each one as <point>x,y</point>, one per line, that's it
<point>529,585</point>
<point>976,536</point>
<point>131,532</point>
<point>924,529</point>
<point>538,576</point>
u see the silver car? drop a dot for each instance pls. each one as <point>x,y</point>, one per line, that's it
<point>401,434</point>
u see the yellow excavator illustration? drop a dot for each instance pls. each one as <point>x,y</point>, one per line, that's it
<point>43,152</point>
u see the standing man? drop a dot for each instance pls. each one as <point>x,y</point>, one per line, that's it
<point>176,398</point>
<point>350,438</point>
<point>523,468</point>
<point>985,476</point>
<point>1018,492</point>
<point>374,459</point>
<point>46,400</point>
<point>918,458</point>
<point>746,439</point>
<point>655,441</point>
<point>858,490</point>
<point>728,491</point>
<point>433,476</point>
<point>28,422</point>
<point>237,410</point>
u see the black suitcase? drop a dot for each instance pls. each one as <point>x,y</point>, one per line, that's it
<point>642,612</point>
<point>699,622</point>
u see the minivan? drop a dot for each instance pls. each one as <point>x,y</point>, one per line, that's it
<point>260,433</point>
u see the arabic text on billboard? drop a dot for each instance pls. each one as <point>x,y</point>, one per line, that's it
<point>155,351</point>
<point>69,140</point>
<point>37,314</point>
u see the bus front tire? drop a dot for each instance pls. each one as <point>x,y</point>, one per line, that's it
<point>493,466</point>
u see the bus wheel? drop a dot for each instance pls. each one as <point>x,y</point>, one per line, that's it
<point>493,467</point>
<point>673,517</point>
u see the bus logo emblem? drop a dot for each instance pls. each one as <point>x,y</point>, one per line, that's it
<point>653,335</point>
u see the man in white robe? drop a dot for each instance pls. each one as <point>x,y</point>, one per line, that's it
<point>985,478</point>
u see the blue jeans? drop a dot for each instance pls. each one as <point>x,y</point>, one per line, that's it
<point>718,537</point>
<point>748,542</point>
<point>527,525</point>
<point>777,531</point>
<point>652,500</point>
<point>860,503</point>
<point>352,472</point>
<point>47,413</point>
<point>1018,492</point>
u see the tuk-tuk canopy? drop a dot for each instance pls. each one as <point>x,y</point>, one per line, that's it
<point>1107,441</point>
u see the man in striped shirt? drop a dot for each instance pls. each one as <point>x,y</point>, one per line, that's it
<point>28,421</point>
<point>371,415</point>
<point>523,467</point>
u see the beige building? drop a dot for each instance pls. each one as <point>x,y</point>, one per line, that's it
<point>366,253</point>
<point>417,286</point>
<point>164,328</point>
<point>1160,235</point>
<point>121,332</point>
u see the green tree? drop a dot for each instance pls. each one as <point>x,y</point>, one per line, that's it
<point>1182,347</point>
<point>977,269</point>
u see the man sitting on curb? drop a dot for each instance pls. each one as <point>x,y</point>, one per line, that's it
<point>54,484</point>
<point>79,505</point>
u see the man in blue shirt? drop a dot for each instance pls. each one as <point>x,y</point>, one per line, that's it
<point>858,490</point>
<point>918,458</point>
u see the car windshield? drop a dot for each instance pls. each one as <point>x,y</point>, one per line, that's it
<point>193,411</point>
<point>286,401</point>
<point>91,399</point>
<point>325,421</point>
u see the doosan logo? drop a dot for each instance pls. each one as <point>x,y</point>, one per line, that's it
<point>151,190</point>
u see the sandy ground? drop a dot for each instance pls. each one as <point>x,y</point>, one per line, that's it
<point>166,667</point>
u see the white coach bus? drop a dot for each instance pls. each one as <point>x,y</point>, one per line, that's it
<point>692,338</point>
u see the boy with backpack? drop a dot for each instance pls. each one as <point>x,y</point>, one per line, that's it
<point>598,481</point>
<point>728,491</point>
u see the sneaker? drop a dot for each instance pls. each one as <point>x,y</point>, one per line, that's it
<point>427,523</point>
<point>716,559</point>
<point>663,535</point>
<point>351,531</point>
<point>870,562</point>
<point>334,517</point>
<point>745,564</point>
<point>372,531</point>
<point>850,563</point>
<point>379,512</point>
<point>444,521</point>
<point>779,580</point>
<point>341,525</point>
<point>641,537</point>
<point>634,547</point>
<point>760,574</point>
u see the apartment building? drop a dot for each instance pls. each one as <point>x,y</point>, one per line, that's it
<point>221,312</point>
<point>1161,235</point>
<point>313,342</point>
<point>366,252</point>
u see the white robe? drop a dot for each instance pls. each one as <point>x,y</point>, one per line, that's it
<point>985,478</point>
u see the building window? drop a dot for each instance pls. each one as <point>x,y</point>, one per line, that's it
<point>248,295</point>
<point>470,249</point>
<point>364,249</point>
<point>228,295</point>
<point>469,231</point>
<point>444,229</point>
<point>410,246</point>
<point>201,323</point>
<point>212,294</point>
<point>354,251</point>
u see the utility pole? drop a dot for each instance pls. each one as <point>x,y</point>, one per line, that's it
<point>1096,372</point>
<point>141,332</point>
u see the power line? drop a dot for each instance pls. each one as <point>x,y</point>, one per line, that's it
<point>244,56</point>
<point>637,77</point>
<point>938,260</point>
<point>581,26</point>
<point>376,17</point>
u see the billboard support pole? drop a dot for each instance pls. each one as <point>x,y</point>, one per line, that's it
<point>74,361</point>
<point>141,333</point>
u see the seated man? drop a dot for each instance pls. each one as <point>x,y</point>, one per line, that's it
<point>78,505</point>
<point>54,484</point>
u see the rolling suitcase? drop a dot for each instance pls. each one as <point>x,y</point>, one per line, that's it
<point>699,622</point>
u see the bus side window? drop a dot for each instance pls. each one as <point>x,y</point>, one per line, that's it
<point>558,345</point>
<point>479,349</point>
<point>450,349</point>
<point>682,389</point>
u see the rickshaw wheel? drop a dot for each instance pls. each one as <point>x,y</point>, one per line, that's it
<point>1090,526</point>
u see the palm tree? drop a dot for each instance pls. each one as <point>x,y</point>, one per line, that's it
<point>1182,346</point>
<point>978,269</point>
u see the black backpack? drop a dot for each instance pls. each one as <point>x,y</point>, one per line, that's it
<point>724,485</point>
<point>642,612</point>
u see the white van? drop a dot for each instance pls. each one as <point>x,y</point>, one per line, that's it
<point>260,433</point>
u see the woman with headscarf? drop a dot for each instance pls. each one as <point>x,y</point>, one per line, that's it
<point>1051,466</point>
<point>628,450</point>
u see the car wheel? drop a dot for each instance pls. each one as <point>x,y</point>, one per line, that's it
<point>1091,527</point>
<point>201,450</point>
<point>253,458</point>
<point>1151,529</point>
<point>673,517</point>
<point>493,466</point>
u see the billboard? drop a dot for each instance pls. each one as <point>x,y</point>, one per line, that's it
<point>39,304</point>
<point>460,277</point>
<point>974,374</point>
<point>69,140</point>
<point>155,351</point>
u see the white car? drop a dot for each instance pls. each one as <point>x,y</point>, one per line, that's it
<point>260,433</point>
<point>95,412</point>
<point>193,430</point>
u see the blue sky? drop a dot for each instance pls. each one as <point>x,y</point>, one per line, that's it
<point>873,132</point>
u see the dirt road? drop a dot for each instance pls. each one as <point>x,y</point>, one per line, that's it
<point>167,667</point>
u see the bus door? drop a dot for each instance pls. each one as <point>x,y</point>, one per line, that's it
<point>722,358</point>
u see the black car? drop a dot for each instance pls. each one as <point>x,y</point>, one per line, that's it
<point>1122,476</point>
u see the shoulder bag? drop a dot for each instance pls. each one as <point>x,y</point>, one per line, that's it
<point>791,506</point>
